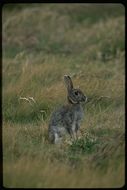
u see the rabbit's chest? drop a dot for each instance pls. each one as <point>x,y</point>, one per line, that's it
<point>78,113</point>
<point>77,118</point>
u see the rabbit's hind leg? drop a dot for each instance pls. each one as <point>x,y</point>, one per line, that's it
<point>53,135</point>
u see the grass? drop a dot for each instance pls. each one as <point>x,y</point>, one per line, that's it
<point>41,43</point>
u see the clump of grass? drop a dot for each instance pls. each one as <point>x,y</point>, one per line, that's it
<point>84,145</point>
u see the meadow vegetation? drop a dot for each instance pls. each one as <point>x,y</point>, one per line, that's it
<point>40,44</point>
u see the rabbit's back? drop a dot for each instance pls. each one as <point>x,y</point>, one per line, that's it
<point>60,120</point>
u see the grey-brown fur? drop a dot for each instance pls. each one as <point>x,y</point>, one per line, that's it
<point>67,118</point>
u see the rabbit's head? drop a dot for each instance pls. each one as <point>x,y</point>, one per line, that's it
<point>75,96</point>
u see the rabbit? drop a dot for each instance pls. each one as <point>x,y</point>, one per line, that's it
<point>67,118</point>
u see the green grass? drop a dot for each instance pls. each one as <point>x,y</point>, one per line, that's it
<point>41,43</point>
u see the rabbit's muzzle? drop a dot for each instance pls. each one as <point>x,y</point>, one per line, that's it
<point>84,99</point>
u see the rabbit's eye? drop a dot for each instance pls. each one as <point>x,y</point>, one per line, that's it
<point>76,93</point>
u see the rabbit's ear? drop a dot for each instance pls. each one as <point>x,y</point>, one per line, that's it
<point>68,82</point>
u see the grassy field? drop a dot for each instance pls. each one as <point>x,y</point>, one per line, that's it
<point>41,43</point>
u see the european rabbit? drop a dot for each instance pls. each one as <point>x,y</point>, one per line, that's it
<point>67,118</point>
